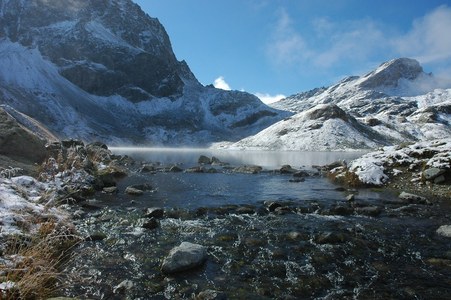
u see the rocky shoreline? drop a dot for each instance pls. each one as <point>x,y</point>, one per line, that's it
<point>423,168</point>
<point>75,172</point>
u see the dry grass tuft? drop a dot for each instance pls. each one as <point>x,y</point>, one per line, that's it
<point>35,262</point>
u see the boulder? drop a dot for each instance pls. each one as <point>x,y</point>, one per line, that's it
<point>154,212</point>
<point>432,173</point>
<point>184,257</point>
<point>444,230</point>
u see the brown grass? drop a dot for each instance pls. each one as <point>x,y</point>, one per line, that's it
<point>38,261</point>
<point>346,178</point>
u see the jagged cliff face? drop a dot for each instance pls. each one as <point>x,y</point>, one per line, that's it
<point>105,47</point>
<point>105,70</point>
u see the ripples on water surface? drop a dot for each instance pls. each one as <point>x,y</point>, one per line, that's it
<point>317,246</point>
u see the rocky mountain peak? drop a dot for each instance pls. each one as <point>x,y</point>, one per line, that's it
<point>389,73</point>
<point>105,47</point>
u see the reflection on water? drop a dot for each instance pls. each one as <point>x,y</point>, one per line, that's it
<point>266,159</point>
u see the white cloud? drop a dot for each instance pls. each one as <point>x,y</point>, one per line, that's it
<point>429,39</point>
<point>220,83</point>
<point>268,99</point>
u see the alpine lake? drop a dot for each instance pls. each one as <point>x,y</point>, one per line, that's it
<point>268,235</point>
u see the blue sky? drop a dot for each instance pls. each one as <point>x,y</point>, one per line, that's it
<point>282,47</point>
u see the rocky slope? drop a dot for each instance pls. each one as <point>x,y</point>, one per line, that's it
<point>397,102</point>
<point>22,142</point>
<point>106,70</point>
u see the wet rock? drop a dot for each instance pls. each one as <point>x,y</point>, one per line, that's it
<point>444,230</point>
<point>147,169</point>
<point>204,160</point>
<point>339,210</point>
<point>184,257</point>
<point>110,190</point>
<point>195,170</point>
<point>216,161</point>
<point>154,212</point>
<point>432,173</point>
<point>123,286</point>
<point>96,236</point>
<point>142,187</point>
<point>175,169</point>
<point>72,143</point>
<point>151,223</point>
<point>297,180</point>
<point>244,210</point>
<point>412,198</point>
<point>211,295</point>
<point>440,179</point>
<point>372,211</point>
<point>287,169</point>
<point>283,210</point>
<point>271,206</point>
<point>133,191</point>
<point>350,198</point>
<point>330,238</point>
<point>252,242</point>
<point>301,174</point>
<point>248,169</point>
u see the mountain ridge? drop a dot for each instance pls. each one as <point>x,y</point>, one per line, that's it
<point>386,101</point>
<point>105,70</point>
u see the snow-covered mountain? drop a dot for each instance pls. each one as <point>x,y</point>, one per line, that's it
<point>105,70</point>
<point>397,102</point>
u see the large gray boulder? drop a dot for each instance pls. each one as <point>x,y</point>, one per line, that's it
<point>184,257</point>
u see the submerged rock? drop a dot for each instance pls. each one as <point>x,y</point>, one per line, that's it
<point>184,257</point>
<point>133,191</point>
<point>412,198</point>
<point>211,295</point>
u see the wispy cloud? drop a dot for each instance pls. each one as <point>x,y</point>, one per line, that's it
<point>286,45</point>
<point>220,83</point>
<point>268,99</point>
<point>352,43</point>
<point>429,39</point>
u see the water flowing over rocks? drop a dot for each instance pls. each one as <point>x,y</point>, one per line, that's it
<point>184,257</point>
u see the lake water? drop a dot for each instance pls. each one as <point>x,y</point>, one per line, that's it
<point>316,245</point>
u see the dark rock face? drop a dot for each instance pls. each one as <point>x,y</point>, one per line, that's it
<point>90,41</point>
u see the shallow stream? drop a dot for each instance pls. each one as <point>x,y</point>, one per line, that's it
<point>314,245</point>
